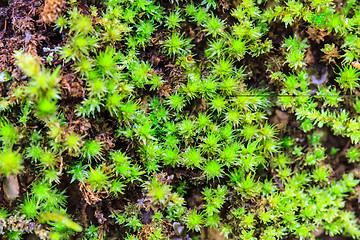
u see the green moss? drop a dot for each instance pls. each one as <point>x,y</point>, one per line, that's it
<point>167,103</point>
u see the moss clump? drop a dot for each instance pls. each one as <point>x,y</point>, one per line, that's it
<point>153,120</point>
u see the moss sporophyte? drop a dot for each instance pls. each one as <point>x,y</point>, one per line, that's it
<point>124,119</point>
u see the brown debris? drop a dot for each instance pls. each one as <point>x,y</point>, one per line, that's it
<point>107,141</point>
<point>104,135</point>
<point>51,10</point>
<point>81,125</point>
<point>331,55</point>
<point>280,119</point>
<point>225,5</point>
<point>72,88</point>
<point>19,29</point>
<point>316,34</point>
<point>146,231</point>
<point>99,215</point>
<point>89,196</point>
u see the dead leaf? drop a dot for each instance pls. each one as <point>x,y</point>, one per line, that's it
<point>11,187</point>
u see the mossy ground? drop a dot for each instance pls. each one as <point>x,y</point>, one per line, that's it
<point>184,126</point>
